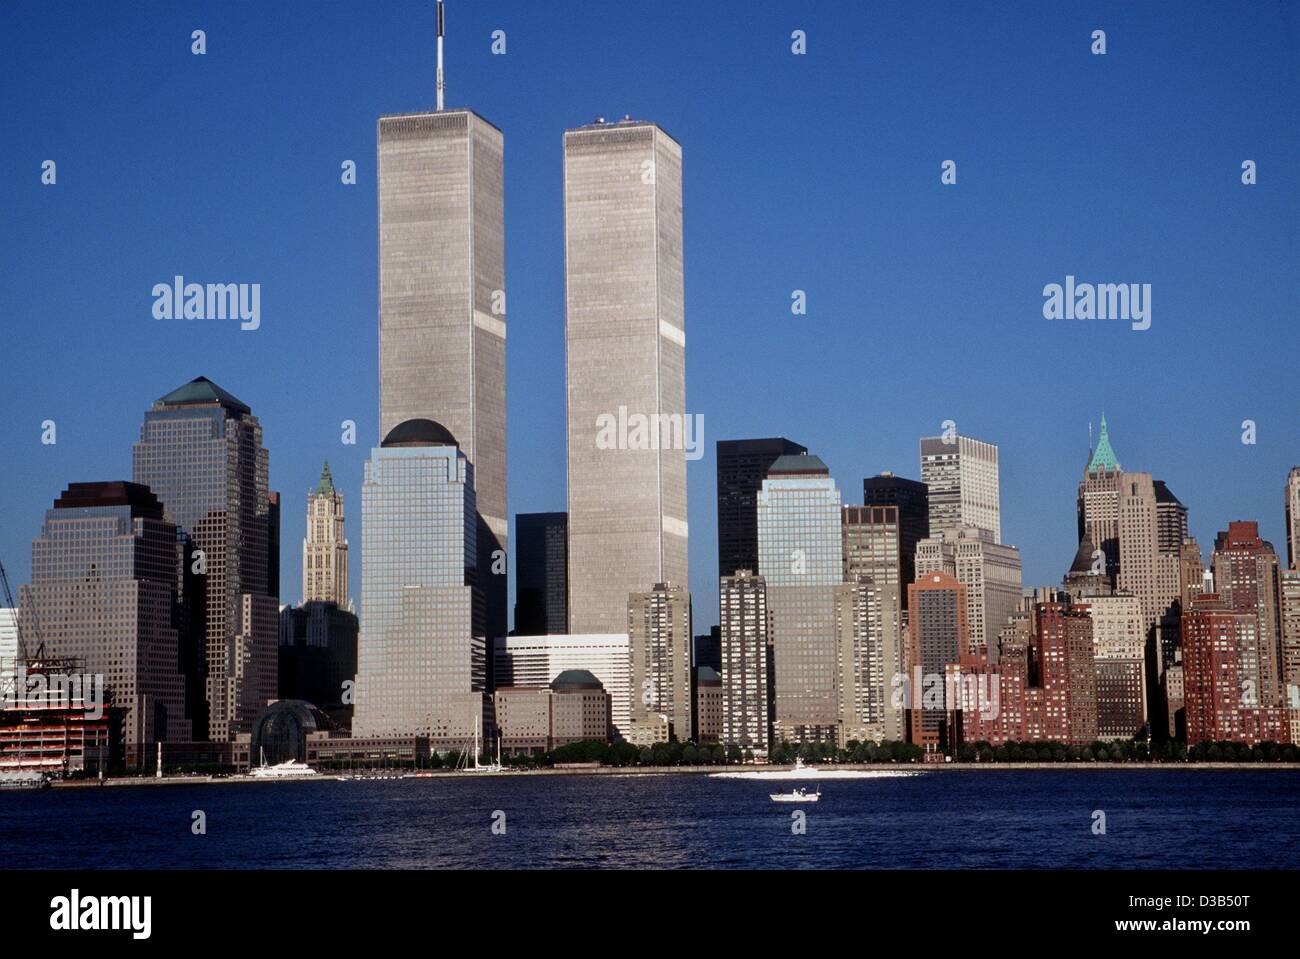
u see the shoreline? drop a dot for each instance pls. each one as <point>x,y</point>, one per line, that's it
<point>121,781</point>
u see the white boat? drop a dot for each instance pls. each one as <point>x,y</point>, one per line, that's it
<point>289,769</point>
<point>800,794</point>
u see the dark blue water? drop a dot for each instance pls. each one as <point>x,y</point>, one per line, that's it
<point>991,819</point>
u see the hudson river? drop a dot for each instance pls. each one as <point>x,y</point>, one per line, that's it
<point>997,818</point>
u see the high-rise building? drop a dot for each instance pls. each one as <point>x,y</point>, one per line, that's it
<point>961,477</point>
<point>442,303</point>
<point>1119,656</point>
<point>1246,579</point>
<point>742,466</point>
<point>1171,519</point>
<point>421,668</point>
<point>800,557</point>
<point>536,661</point>
<point>1067,672</point>
<point>103,591</point>
<point>1293,518</point>
<point>659,646</point>
<point>625,342</point>
<point>865,668</point>
<point>273,543</point>
<point>201,453</point>
<point>1144,569</point>
<point>1289,590</point>
<point>1098,502</point>
<point>1219,645</point>
<point>541,574</point>
<point>990,572</point>
<point>912,500</point>
<point>872,552</point>
<point>325,548</point>
<point>746,631</point>
<point>707,650</point>
<point>940,635</point>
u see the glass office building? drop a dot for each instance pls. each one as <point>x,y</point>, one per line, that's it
<point>421,653</point>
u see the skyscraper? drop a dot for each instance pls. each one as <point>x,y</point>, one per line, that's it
<point>912,500</point>
<point>1098,502</point>
<point>104,591</point>
<point>421,662</point>
<point>659,647</point>
<point>800,558</point>
<point>742,464</point>
<point>442,304</point>
<point>961,476</point>
<point>1067,672</point>
<point>541,574</point>
<point>201,453</point>
<point>325,548</point>
<point>1246,580</point>
<point>990,572</point>
<point>939,635</point>
<point>872,554</point>
<point>746,630</point>
<point>625,344</point>
<point>1119,659</point>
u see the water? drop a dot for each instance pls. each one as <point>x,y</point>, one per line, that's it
<point>1189,819</point>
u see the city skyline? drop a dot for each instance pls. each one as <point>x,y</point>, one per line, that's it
<point>1042,437</point>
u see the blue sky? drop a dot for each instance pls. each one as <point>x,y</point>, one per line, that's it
<point>818,172</point>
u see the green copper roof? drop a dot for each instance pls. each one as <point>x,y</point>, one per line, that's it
<point>1103,457</point>
<point>326,485</point>
<point>202,390</point>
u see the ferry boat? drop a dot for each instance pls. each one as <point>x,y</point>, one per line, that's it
<point>289,769</point>
<point>797,795</point>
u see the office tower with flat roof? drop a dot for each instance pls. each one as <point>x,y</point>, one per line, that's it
<point>708,706</point>
<point>961,477</point>
<point>442,303</point>
<point>1119,655</point>
<point>939,635</point>
<point>1215,640</point>
<point>1293,518</point>
<point>535,661</point>
<point>625,352</point>
<point>800,557</point>
<point>659,648</point>
<point>872,554</point>
<point>990,572</point>
<point>1289,592</point>
<point>1246,579</point>
<point>1067,672</point>
<point>707,649</point>
<point>912,500</point>
<point>1144,569</point>
<point>104,591</point>
<point>325,548</point>
<point>421,667</point>
<point>866,665</point>
<point>746,632</point>
<point>201,453</point>
<point>742,465</point>
<point>541,574</point>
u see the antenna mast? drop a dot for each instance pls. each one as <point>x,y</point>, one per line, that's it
<point>440,32</point>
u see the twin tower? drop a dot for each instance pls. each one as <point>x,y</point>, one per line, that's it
<point>443,324</point>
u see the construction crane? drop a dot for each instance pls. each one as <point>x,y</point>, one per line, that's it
<point>9,601</point>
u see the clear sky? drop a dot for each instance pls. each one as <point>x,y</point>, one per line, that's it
<point>818,172</point>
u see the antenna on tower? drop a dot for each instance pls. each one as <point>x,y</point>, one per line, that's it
<point>440,32</point>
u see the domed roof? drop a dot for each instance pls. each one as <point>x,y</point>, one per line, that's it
<point>572,679</point>
<point>419,432</point>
